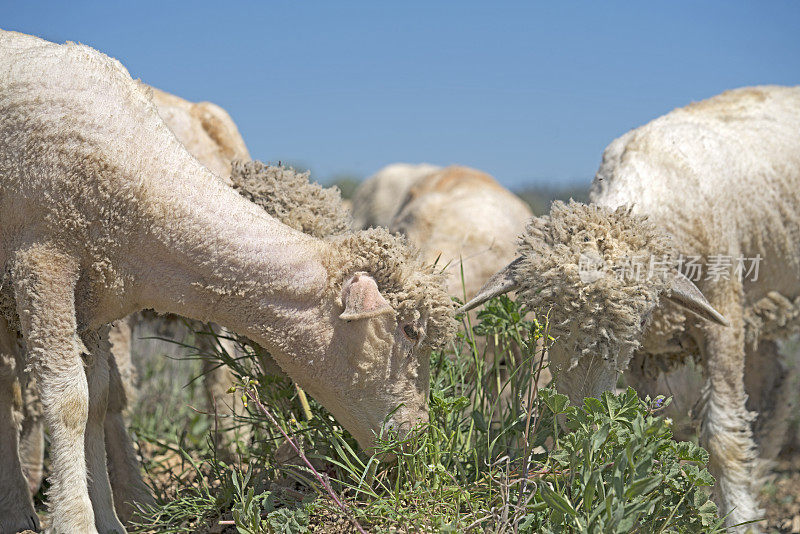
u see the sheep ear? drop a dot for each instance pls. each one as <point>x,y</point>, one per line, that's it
<point>685,294</point>
<point>501,282</point>
<point>361,298</point>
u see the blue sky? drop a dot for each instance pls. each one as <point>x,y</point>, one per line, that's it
<point>529,92</point>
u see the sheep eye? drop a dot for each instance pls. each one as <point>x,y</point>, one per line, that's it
<point>411,333</point>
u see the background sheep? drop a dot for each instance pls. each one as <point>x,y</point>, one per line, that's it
<point>378,198</point>
<point>463,219</point>
<point>716,179</point>
<point>102,227</point>
<point>205,129</point>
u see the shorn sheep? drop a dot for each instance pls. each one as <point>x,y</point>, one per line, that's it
<point>211,136</point>
<point>103,212</point>
<point>378,198</point>
<point>462,219</point>
<point>284,194</point>
<point>712,191</point>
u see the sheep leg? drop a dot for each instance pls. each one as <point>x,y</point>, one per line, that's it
<point>770,385</point>
<point>44,287</point>
<point>99,485</point>
<point>31,448</point>
<point>725,424</point>
<point>123,465</point>
<point>16,507</point>
<point>31,436</point>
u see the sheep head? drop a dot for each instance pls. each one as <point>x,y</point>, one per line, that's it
<point>597,274</point>
<point>391,313</point>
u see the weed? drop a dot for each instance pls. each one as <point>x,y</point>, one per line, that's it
<point>498,454</point>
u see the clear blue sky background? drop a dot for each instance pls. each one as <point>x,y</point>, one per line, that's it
<point>530,92</point>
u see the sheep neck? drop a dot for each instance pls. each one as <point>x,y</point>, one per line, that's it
<point>219,258</point>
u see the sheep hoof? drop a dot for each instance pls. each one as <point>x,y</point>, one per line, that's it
<point>13,521</point>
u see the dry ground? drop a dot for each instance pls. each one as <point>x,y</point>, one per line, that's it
<point>781,497</point>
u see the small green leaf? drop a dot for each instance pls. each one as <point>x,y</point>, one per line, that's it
<point>556,402</point>
<point>556,501</point>
<point>643,486</point>
<point>480,422</point>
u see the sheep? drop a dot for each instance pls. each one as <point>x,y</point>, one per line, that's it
<point>104,212</point>
<point>282,193</point>
<point>463,218</point>
<point>378,198</point>
<point>211,136</point>
<point>717,179</point>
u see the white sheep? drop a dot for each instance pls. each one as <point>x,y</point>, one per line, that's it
<point>284,194</point>
<point>718,180</point>
<point>103,212</point>
<point>378,198</point>
<point>211,136</point>
<point>205,129</point>
<point>463,219</point>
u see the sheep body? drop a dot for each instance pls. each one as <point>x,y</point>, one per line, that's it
<point>463,219</point>
<point>378,198</point>
<point>104,212</point>
<point>716,179</point>
<point>722,177</point>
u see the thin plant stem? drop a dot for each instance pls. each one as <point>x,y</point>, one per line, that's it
<point>322,480</point>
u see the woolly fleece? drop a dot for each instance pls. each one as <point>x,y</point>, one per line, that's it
<point>414,290</point>
<point>291,198</point>
<point>600,315</point>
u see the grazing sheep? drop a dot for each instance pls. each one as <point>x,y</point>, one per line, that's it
<point>377,200</point>
<point>282,193</point>
<point>464,219</point>
<point>103,212</point>
<point>717,179</point>
<point>211,136</point>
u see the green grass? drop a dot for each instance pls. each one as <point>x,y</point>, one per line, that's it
<point>498,455</point>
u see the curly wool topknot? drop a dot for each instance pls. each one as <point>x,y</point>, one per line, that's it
<point>590,268</point>
<point>288,196</point>
<point>412,289</point>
